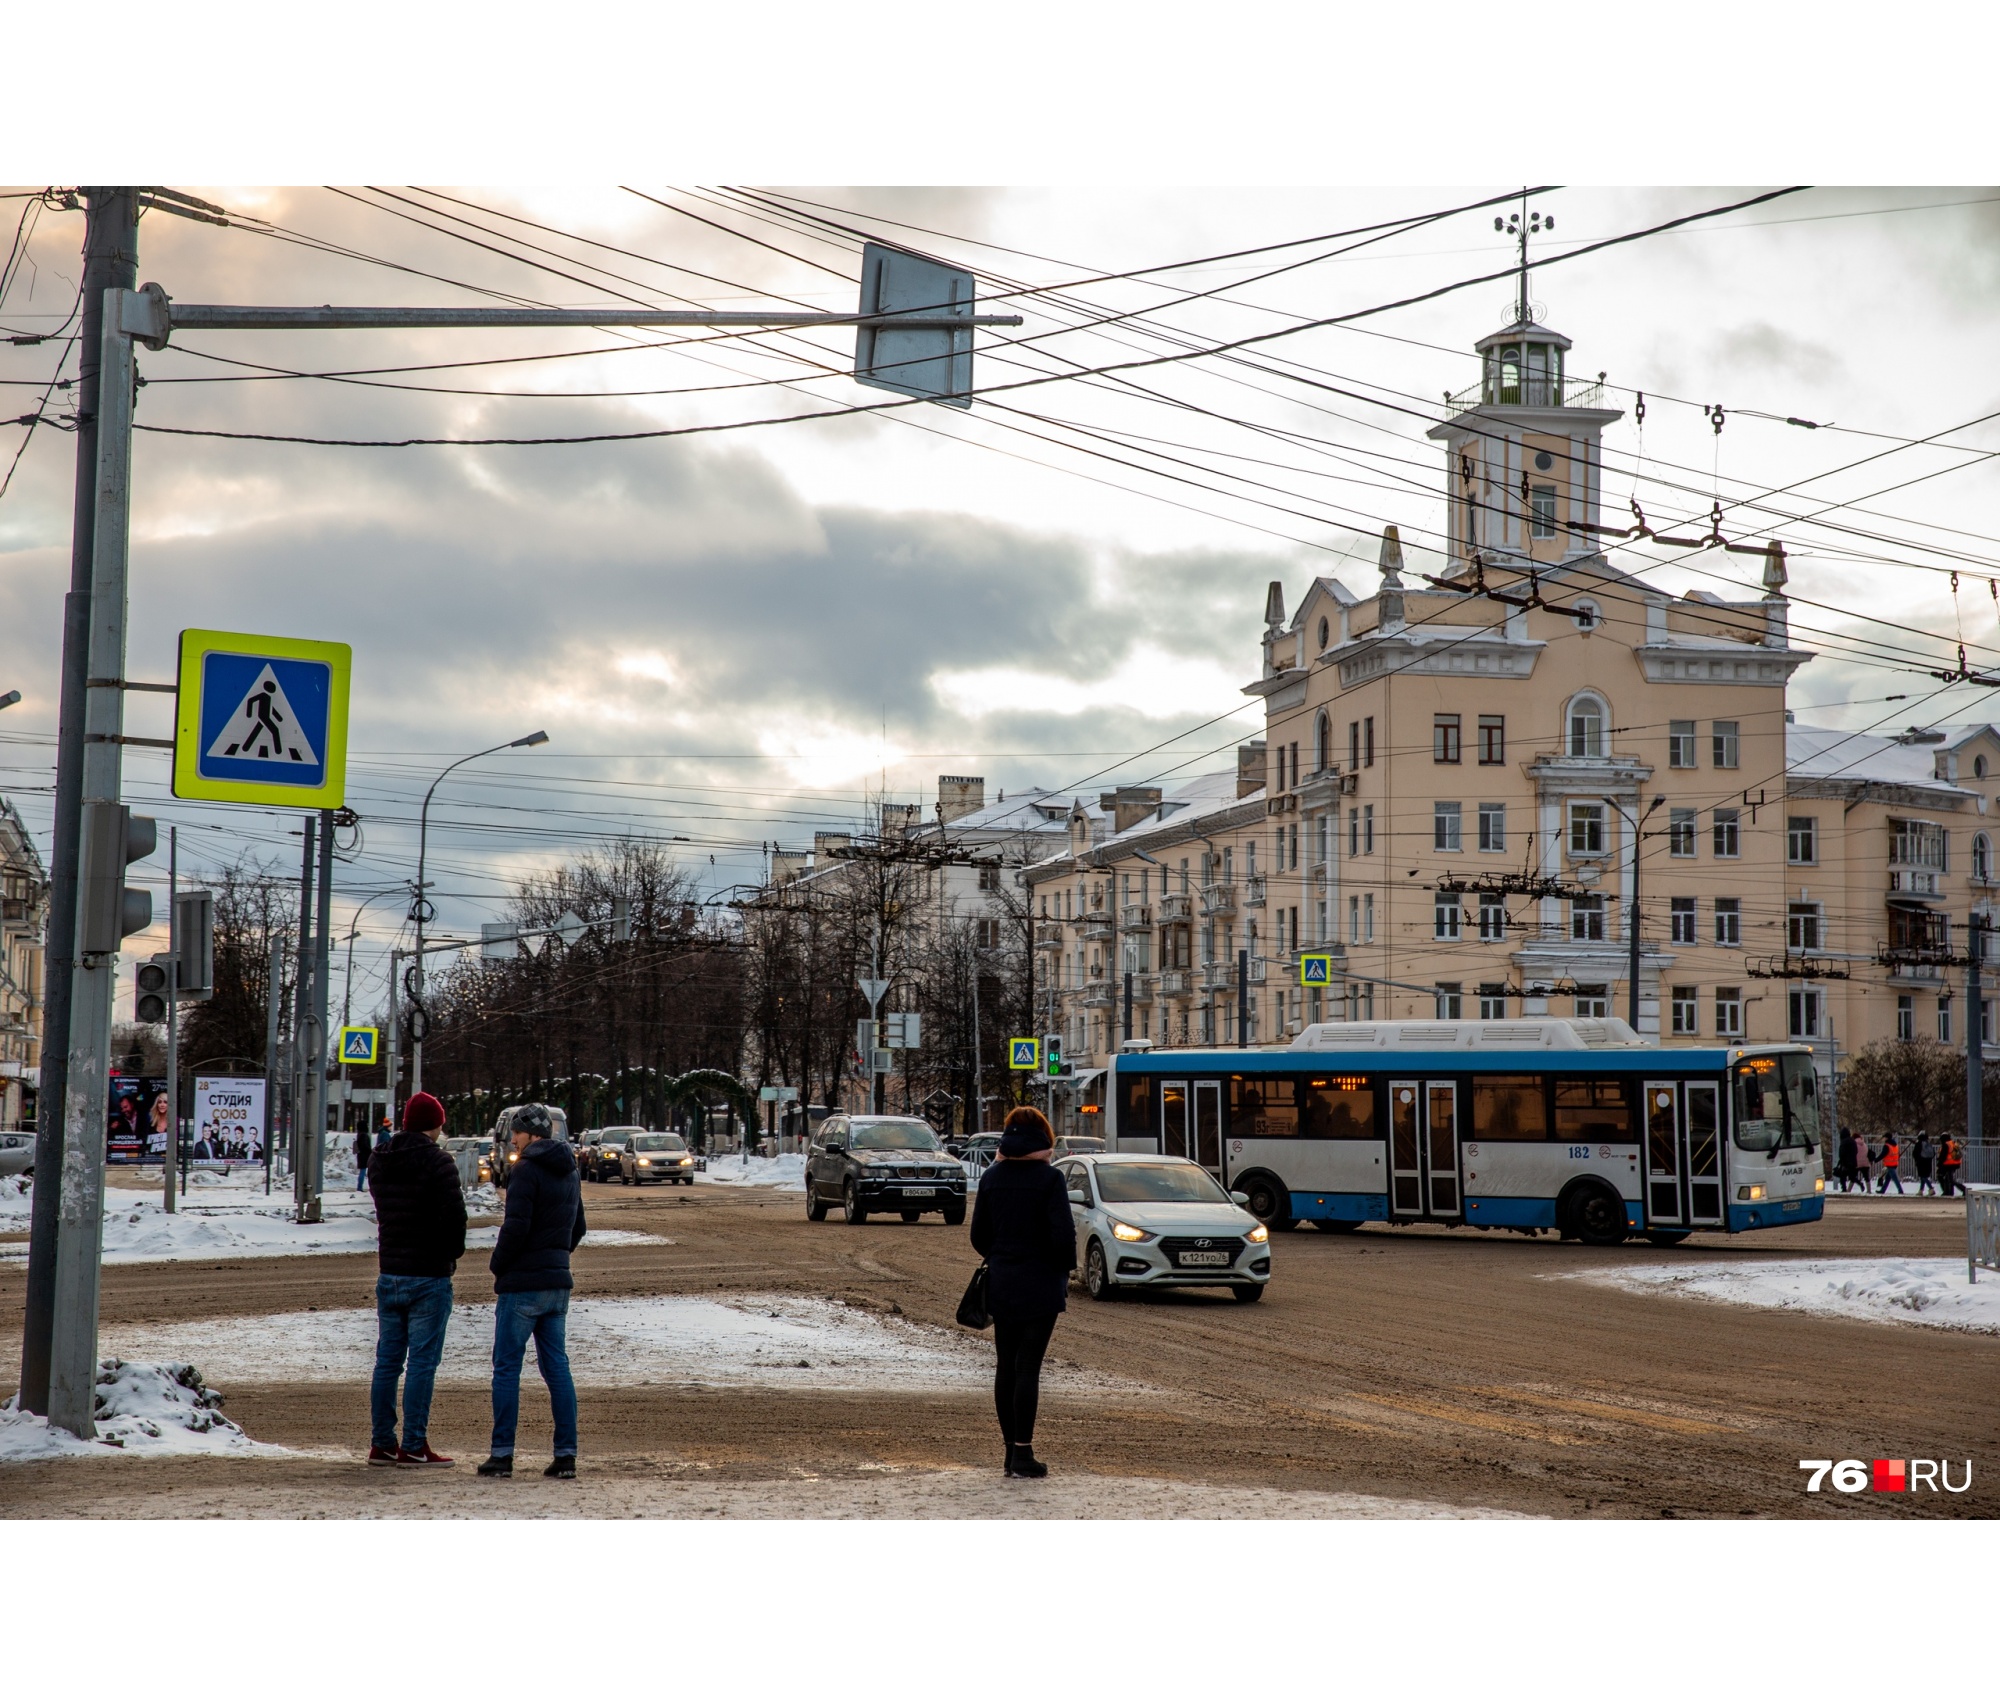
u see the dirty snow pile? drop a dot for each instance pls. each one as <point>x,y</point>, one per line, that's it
<point>786,1173</point>
<point>142,1408</point>
<point>1927,1291</point>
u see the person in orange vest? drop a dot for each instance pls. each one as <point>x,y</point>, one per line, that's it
<point>1891,1158</point>
<point>1951,1156</point>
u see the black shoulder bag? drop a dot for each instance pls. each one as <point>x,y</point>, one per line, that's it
<point>972,1311</point>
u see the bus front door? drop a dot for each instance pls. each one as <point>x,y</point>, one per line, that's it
<point>1683,1153</point>
<point>1174,1118</point>
<point>1208,1125</point>
<point>1423,1148</point>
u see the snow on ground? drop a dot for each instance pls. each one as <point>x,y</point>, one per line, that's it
<point>142,1408</point>
<point>786,1173</point>
<point>776,1341</point>
<point>1927,1291</point>
<point>222,1220</point>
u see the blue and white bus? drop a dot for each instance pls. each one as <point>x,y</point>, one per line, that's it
<point>1577,1125</point>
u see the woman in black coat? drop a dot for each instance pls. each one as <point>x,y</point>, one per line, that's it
<point>1021,1225</point>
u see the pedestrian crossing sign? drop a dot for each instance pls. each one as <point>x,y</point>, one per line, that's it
<point>1024,1054</point>
<point>1316,970</point>
<point>261,720</point>
<point>358,1044</point>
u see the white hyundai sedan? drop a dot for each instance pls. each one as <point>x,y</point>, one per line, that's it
<point>1146,1221</point>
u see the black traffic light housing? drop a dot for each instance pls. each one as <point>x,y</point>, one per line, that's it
<point>1053,1063</point>
<point>149,1005</point>
<point>113,838</point>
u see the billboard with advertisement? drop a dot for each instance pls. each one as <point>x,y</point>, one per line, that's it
<point>136,1128</point>
<point>228,1120</point>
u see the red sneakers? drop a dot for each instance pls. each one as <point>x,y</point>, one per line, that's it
<point>424,1460</point>
<point>382,1457</point>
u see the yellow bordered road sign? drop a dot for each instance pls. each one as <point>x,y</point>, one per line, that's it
<point>358,1045</point>
<point>1024,1054</point>
<point>1315,970</point>
<point>261,720</point>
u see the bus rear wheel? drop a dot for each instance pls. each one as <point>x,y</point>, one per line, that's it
<point>1270,1202</point>
<point>1596,1215</point>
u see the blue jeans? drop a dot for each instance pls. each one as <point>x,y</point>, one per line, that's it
<point>516,1315</point>
<point>411,1313</point>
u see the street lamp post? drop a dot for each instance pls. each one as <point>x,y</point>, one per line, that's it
<point>419,1018</point>
<point>347,992</point>
<point>1635,825</point>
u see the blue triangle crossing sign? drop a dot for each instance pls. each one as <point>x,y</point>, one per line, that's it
<point>1315,970</point>
<point>358,1044</point>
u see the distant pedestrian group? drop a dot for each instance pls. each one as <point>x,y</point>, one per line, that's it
<point>1937,1162</point>
<point>420,1231</point>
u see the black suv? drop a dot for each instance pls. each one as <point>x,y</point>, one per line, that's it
<point>880,1162</point>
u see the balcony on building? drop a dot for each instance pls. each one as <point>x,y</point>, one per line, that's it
<point>1218,898</point>
<point>1253,891</point>
<point>1258,965</point>
<point>1096,925</point>
<point>1179,982</point>
<point>1137,917</point>
<point>1099,993</point>
<point>1048,933</point>
<point>1219,975</point>
<point>1522,368</point>
<point>1175,909</point>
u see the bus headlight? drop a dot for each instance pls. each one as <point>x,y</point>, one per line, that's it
<point>1749,1193</point>
<point>1819,1185</point>
<point>1128,1234</point>
<point>1260,1234</point>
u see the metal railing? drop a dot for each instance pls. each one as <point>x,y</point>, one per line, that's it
<point>1138,917</point>
<point>1098,993</point>
<point>1175,909</point>
<point>1982,1229</point>
<point>1177,983</point>
<point>1218,898</point>
<point>1253,891</point>
<point>1528,393</point>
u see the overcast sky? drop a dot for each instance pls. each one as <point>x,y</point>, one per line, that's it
<point>740,637</point>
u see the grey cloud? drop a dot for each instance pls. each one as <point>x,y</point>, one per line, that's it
<point>1760,346</point>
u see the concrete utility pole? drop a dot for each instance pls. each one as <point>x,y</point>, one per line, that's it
<point>110,259</point>
<point>395,1073</point>
<point>301,1009</point>
<point>174,946</point>
<point>1975,1029</point>
<point>314,1073</point>
<point>1242,998</point>
<point>274,978</point>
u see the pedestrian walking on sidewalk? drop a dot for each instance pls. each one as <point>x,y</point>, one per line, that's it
<point>1843,1161</point>
<point>1924,1153</point>
<point>361,1149</point>
<point>1021,1225</point>
<point>543,1224</point>
<point>420,1235</point>
<point>1891,1158</point>
<point>1951,1156</point>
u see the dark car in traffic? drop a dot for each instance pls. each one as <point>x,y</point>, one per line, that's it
<point>882,1163</point>
<point>597,1154</point>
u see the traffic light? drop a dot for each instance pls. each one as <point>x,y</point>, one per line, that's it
<point>113,838</point>
<point>194,932</point>
<point>149,1007</point>
<point>1053,1063</point>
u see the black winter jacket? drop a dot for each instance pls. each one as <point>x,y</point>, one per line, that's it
<point>1021,1225</point>
<point>544,1221</point>
<point>419,1208</point>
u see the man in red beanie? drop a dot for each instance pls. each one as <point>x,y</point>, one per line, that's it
<point>420,1235</point>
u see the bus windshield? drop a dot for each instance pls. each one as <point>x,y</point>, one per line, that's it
<point>1777,1104</point>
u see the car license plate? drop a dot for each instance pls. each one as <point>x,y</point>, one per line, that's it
<point>1203,1259</point>
<point>919,1190</point>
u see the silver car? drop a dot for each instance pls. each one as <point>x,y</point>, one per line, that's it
<point>1147,1221</point>
<point>17,1153</point>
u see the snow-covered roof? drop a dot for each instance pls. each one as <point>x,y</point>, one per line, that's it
<point>1843,755</point>
<point>1190,802</point>
<point>1025,811</point>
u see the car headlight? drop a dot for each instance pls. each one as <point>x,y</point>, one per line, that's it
<point>644,1162</point>
<point>1128,1234</point>
<point>1260,1234</point>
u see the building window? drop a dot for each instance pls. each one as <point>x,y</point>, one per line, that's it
<point>1944,1019</point>
<point>1906,1018</point>
<point>1493,740</point>
<point>1729,1011</point>
<point>1802,841</point>
<point>1492,1001</point>
<point>1492,918</point>
<point>1354,746</point>
<point>1450,1001</point>
<point>1982,858</point>
<point>1802,930</point>
<point>1445,736</point>
<point>1724,742</point>
<point>1446,817</point>
<point>1682,907</point>
<point>1804,1012</point>
<point>1368,918</point>
<point>1979,764</point>
<point>1586,831</point>
<point>1728,833</point>
<point>1586,615</point>
<point>1322,741</point>
<point>1680,744</point>
<point>1367,741</point>
<point>1492,827</point>
<point>1681,832</point>
<point>1586,919</point>
<point>1593,1001</point>
<point>1325,633</point>
<point>1354,918</point>
<point>1368,829</point>
<point>989,933</point>
<point>1586,728</point>
<point>1728,921</point>
<point>1687,998</point>
<point>1445,915</point>
<point>1353,832</point>
<point>1542,513</point>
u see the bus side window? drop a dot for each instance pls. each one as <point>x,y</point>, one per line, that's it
<point>1135,1106</point>
<point>1263,1107</point>
<point>1337,1105</point>
<point>1593,1111</point>
<point>1509,1106</point>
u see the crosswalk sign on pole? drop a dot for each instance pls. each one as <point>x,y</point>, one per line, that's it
<point>1024,1054</point>
<point>1315,970</point>
<point>358,1045</point>
<point>261,720</point>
